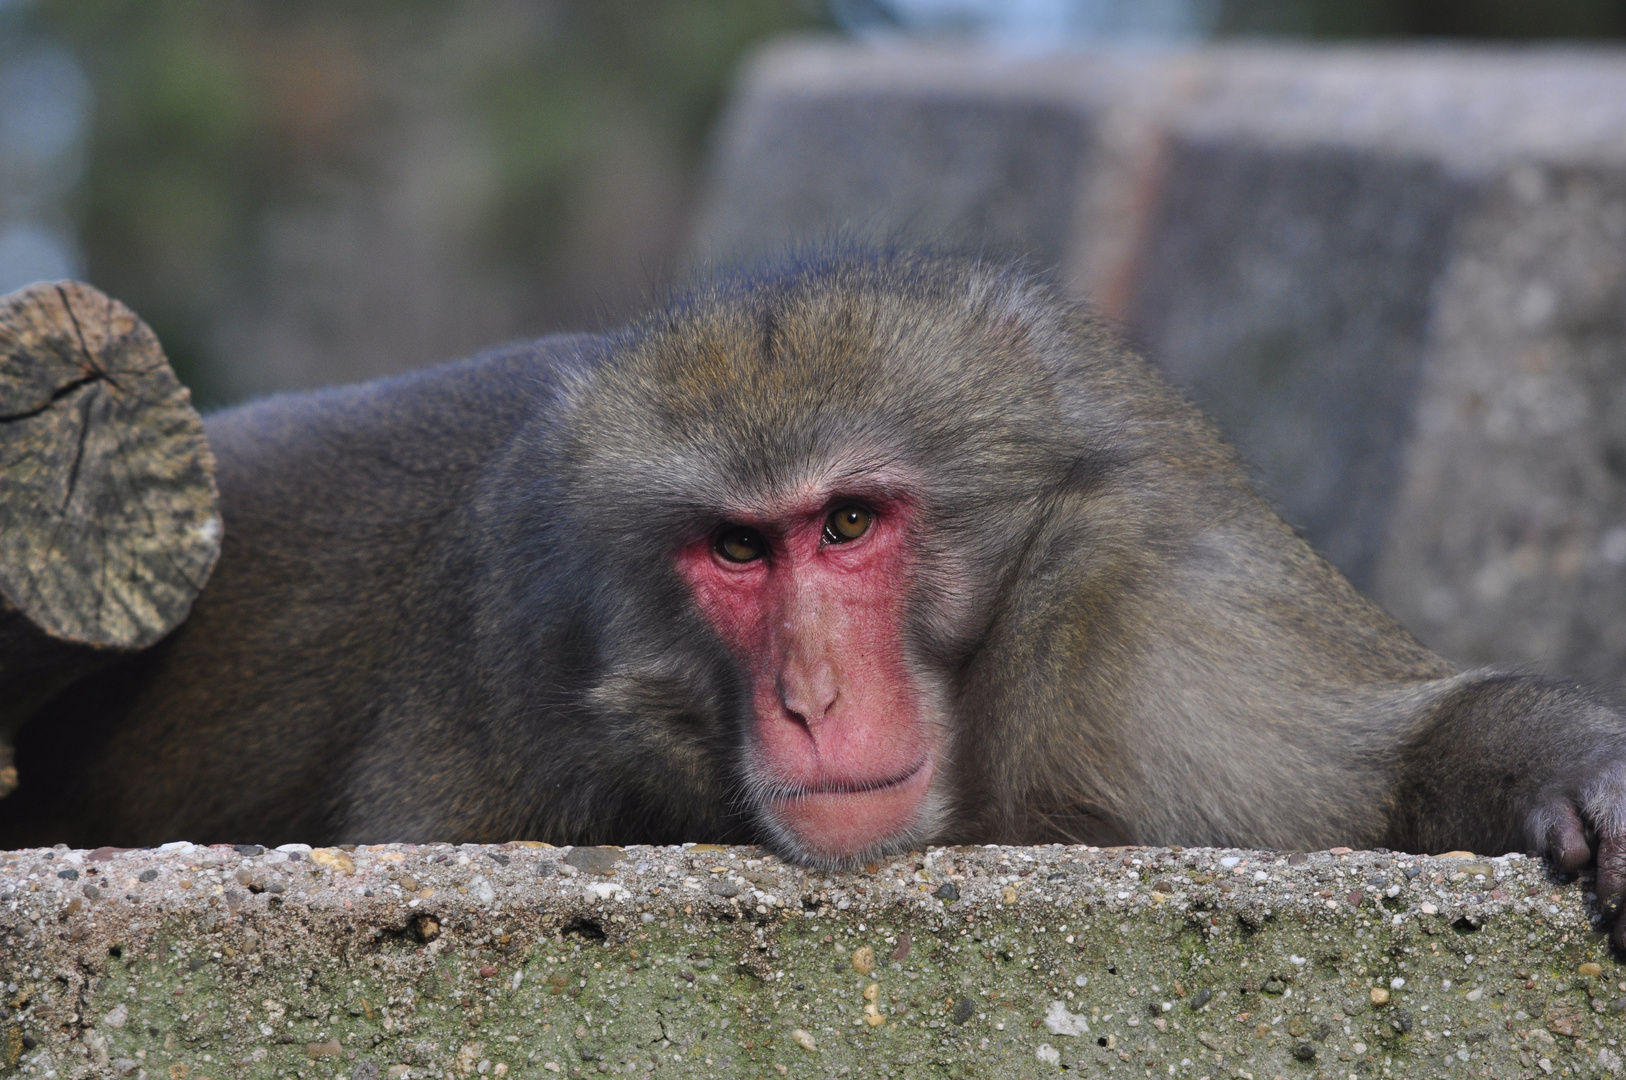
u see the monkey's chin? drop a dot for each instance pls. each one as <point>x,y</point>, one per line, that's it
<point>839,827</point>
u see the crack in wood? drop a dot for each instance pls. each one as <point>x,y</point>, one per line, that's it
<point>79,447</point>
<point>79,332</point>
<point>56,395</point>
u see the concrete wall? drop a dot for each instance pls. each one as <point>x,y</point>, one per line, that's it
<point>529,962</point>
<point>1396,277</point>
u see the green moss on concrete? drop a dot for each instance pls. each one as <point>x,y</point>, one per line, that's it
<point>699,962</point>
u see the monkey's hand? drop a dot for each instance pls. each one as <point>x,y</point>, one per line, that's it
<point>1516,763</point>
<point>1585,824</point>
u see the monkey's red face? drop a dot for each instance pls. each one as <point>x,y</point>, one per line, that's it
<point>811,600</point>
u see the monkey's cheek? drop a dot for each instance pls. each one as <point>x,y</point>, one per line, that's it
<point>839,826</point>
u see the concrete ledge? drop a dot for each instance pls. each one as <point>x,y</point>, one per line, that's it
<point>523,961</point>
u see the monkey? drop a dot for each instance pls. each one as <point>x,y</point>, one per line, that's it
<point>869,551</point>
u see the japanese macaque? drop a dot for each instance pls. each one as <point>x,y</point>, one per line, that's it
<point>871,553</point>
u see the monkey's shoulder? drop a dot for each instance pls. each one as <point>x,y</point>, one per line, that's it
<point>450,409</point>
<point>377,448</point>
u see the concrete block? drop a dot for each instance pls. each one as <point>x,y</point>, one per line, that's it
<point>933,146</point>
<point>528,962</point>
<point>1351,258</point>
<point>1507,539</point>
<point>1396,278</point>
<point>1288,290</point>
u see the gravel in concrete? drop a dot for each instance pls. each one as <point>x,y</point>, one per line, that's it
<point>194,962</point>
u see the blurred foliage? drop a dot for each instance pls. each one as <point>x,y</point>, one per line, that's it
<point>662,66</point>
<point>213,115</point>
<point>209,113</point>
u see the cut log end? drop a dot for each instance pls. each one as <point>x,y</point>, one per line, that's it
<point>109,517</point>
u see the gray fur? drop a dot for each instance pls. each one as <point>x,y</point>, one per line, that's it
<point>446,607</point>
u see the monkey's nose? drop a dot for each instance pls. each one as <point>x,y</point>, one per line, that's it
<point>809,691</point>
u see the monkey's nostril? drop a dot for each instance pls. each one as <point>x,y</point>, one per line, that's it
<point>808,692</point>
<point>803,713</point>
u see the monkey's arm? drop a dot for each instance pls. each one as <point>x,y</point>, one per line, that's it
<point>1509,762</point>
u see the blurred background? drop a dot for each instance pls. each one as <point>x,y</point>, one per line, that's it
<point>1381,242</point>
<point>298,193</point>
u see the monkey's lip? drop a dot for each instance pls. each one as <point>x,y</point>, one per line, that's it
<point>858,787</point>
<point>845,819</point>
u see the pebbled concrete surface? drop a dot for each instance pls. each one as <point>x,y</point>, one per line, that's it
<point>191,962</point>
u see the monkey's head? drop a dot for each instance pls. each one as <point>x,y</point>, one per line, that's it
<point>828,479</point>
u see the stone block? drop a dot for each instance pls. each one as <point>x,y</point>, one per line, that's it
<point>931,146</point>
<point>1394,276</point>
<point>1507,539</point>
<point>528,962</point>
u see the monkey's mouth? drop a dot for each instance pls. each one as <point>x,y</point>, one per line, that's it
<point>855,787</point>
<point>843,819</point>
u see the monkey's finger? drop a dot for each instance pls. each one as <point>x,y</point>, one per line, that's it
<point>1611,886</point>
<point>1603,802</point>
<point>1611,883</point>
<point>1563,838</point>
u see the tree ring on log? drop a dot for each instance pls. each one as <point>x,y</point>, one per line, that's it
<point>109,517</point>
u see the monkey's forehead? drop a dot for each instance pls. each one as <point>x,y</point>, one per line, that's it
<point>837,349</point>
<point>776,432</point>
<point>970,381</point>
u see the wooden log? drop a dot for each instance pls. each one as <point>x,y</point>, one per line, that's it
<point>109,518</point>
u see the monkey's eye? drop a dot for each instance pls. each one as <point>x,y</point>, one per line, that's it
<point>740,544</point>
<point>846,523</point>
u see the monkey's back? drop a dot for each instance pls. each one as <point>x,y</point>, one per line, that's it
<point>339,596</point>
